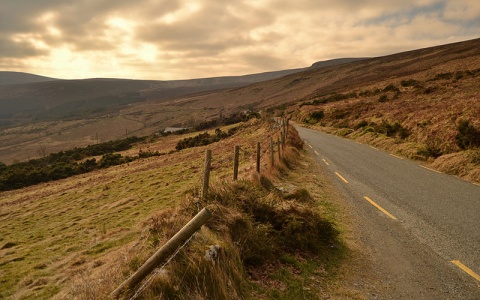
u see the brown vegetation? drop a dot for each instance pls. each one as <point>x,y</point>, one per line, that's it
<point>433,119</point>
<point>80,237</point>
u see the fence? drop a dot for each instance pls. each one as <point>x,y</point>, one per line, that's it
<point>169,250</point>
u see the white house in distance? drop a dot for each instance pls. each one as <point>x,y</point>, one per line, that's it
<point>173,129</point>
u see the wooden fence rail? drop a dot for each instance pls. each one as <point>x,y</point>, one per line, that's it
<point>201,218</point>
<point>164,252</point>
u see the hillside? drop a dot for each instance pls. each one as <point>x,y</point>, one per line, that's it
<point>422,104</point>
<point>62,114</point>
<point>146,107</point>
<point>356,75</point>
<point>80,237</point>
<point>27,98</point>
<point>7,78</point>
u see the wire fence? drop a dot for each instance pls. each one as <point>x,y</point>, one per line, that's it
<point>156,263</point>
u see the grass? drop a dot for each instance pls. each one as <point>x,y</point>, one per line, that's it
<point>48,227</point>
<point>81,237</point>
<point>415,122</point>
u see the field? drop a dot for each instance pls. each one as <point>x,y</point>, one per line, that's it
<point>79,237</point>
<point>39,139</point>
<point>50,232</point>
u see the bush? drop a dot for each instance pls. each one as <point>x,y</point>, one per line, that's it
<point>392,129</point>
<point>409,82</point>
<point>383,98</point>
<point>391,88</point>
<point>317,115</point>
<point>434,148</point>
<point>204,139</point>
<point>361,124</point>
<point>467,136</point>
<point>269,226</point>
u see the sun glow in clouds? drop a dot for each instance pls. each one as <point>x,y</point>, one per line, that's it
<point>183,39</point>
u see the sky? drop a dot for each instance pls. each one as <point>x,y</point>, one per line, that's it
<point>183,39</point>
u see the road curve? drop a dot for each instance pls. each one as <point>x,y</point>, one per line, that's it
<point>421,226</point>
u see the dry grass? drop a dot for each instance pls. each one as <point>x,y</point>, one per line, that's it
<point>79,238</point>
<point>429,119</point>
<point>57,230</point>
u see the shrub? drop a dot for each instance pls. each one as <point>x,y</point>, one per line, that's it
<point>204,139</point>
<point>409,82</point>
<point>110,159</point>
<point>361,124</point>
<point>443,76</point>
<point>434,148</point>
<point>467,136</point>
<point>391,88</point>
<point>317,115</point>
<point>383,98</point>
<point>392,129</point>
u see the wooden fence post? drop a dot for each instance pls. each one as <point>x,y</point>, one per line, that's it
<point>258,157</point>
<point>235,162</point>
<point>165,252</point>
<point>272,159</point>
<point>279,152</point>
<point>286,129</point>
<point>206,173</point>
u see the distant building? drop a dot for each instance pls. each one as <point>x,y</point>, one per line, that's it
<point>174,129</point>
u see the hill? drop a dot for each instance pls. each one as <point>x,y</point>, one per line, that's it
<point>146,107</point>
<point>316,82</point>
<point>80,237</point>
<point>25,98</point>
<point>8,78</point>
<point>62,114</point>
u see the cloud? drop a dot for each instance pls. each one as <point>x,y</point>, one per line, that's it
<point>162,39</point>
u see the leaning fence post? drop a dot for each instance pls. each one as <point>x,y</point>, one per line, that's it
<point>258,157</point>
<point>272,159</point>
<point>235,162</point>
<point>206,173</point>
<point>165,252</point>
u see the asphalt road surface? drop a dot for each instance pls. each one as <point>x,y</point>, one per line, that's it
<point>421,228</point>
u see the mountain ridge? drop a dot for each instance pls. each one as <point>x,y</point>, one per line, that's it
<point>12,77</point>
<point>141,109</point>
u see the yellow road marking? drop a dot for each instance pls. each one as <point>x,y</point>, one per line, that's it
<point>341,177</point>
<point>325,162</point>
<point>310,146</point>
<point>431,169</point>
<point>396,156</point>
<point>466,269</point>
<point>316,152</point>
<point>373,147</point>
<point>380,208</point>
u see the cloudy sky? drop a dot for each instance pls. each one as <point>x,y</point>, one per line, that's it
<point>177,39</point>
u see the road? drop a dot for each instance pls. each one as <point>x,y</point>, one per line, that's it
<point>420,227</point>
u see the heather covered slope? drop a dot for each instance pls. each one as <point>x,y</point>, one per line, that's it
<point>432,117</point>
<point>313,83</point>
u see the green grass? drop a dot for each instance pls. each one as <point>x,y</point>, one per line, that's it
<point>52,232</point>
<point>75,236</point>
